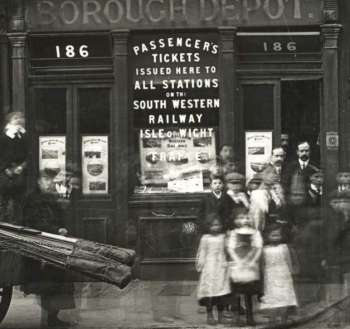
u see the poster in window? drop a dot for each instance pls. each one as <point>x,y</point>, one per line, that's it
<point>177,159</point>
<point>258,148</point>
<point>95,164</point>
<point>52,154</point>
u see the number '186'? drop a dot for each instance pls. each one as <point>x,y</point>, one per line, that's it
<point>70,51</point>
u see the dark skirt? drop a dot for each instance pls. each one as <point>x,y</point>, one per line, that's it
<point>214,301</point>
<point>250,288</point>
<point>55,291</point>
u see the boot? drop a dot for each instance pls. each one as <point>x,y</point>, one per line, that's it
<point>249,310</point>
<point>210,319</point>
<point>222,319</point>
<point>54,322</point>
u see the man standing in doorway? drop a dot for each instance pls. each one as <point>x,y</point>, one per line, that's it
<point>298,174</point>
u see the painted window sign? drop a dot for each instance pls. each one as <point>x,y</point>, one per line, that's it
<point>98,14</point>
<point>175,81</point>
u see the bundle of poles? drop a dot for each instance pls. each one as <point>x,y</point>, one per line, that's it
<point>99,261</point>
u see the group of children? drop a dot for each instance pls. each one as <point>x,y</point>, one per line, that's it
<point>236,259</point>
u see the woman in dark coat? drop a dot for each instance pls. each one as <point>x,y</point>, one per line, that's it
<point>13,156</point>
<point>42,211</point>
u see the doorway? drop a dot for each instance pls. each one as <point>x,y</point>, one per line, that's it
<point>285,107</point>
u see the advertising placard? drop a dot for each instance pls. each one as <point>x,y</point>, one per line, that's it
<point>95,164</point>
<point>178,161</point>
<point>258,148</point>
<point>52,154</point>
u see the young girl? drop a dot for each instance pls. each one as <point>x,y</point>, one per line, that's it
<point>279,294</point>
<point>211,263</point>
<point>244,246</point>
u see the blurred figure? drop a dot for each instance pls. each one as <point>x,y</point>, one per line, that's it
<point>235,189</point>
<point>267,203</point>
<point>298,173</point>
<point>343,180</point>
<point>279,293</point>
<point>315,192</point>
<point>214,284</point>
<point>244,247</point>
<point>226,161</point>
<point>285,144</point>
<point>13,162</point>
<point>43,212</point>
<point>276,165</point>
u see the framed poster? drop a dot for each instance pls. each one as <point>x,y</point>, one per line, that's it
<point>258,148</point>
<point>52,154</point>
<point>177,159</point>
<point>94,164</point>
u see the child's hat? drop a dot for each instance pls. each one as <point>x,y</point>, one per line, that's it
<point>234,177</point>
<point>317,178</point>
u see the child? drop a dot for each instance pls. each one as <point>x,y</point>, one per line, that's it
<point>279,294</point>
<point>244,246</point>
<point>218,201</point>
<point>211,263</point>
<point>235,189</point>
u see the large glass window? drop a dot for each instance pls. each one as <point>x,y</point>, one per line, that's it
<point>51,110</point>
<point>174,109</point>
<point>94,125</point>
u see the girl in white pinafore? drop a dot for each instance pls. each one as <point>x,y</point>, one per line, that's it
<point>279,293</point>
<point>211,262</point>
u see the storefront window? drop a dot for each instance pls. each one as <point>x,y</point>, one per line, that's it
<point>175,109</point>
<point>51,110</point>
<point>94,105</point>
<point>94,119</point>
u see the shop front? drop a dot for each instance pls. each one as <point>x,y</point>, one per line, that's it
<point>138,96</point>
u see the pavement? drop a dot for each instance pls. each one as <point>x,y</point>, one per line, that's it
<point>158,304</point>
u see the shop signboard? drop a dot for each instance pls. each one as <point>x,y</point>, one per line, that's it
<point>258,148</point>
<point>277,43</point>
<point>52,154</point>
<point>59,15</point>
<point>95,164</point>
<point>50,49</point>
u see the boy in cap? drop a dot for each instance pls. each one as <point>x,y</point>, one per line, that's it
<point>218,201</point>
<point>235,189</point>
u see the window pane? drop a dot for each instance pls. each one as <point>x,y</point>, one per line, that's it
<point>258,107</point>
<point>51,108</point>
<point>94,105</point>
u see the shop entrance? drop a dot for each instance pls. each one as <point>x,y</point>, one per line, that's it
<point>285,107</point>
<point>71,128</point>
<point>288,109</point>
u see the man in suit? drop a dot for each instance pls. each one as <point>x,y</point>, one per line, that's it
<point>298,174</point>
<point>276,166</point>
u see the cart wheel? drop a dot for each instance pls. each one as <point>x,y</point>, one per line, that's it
<point>5,300</point>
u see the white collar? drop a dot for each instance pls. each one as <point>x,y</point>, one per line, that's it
<point>316,189</point>
<point>303,163</point>
<point>217,195</point>
<point>11,130</point>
